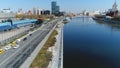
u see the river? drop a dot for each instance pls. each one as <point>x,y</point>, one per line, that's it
<point>91,44</point>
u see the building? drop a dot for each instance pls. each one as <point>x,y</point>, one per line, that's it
<point>29,12</point>
<point>58,9</point>
<point>6,10</point>
<point>94,13</point>
<point>114,11</point>
<point>39,11</point>
<point>114,7</point>
<point>45,12</point>
<point>20,11</point>
<point>36,11</point>
<point>84,13</point>
<point>7,13</point>
<point>54,7</point>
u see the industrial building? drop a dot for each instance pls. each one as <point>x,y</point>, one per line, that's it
<point>9,25</point>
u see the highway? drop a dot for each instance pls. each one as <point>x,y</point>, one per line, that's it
<point>13,58</point>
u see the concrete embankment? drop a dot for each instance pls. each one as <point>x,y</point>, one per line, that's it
<point>57,50</point>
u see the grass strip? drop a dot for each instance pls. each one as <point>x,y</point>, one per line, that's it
<point>44,56</point>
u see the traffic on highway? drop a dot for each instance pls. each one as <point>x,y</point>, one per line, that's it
<point>15,53</point>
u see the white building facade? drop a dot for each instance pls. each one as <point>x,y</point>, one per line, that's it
<point>36,11</point>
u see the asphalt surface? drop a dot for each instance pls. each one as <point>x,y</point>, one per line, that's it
<point>13,58</point>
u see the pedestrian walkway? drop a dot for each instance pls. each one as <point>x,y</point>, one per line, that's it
<point>56,50</point>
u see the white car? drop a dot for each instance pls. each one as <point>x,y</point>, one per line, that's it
<point>18,40</point>
<point>17,46</point>
<point>7,47</point>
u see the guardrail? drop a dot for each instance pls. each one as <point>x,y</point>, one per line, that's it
<point>60,61</point>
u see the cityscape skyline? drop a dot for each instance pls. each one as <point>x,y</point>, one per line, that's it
<point>69,6</point>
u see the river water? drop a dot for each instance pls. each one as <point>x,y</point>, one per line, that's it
<point>91,44</point>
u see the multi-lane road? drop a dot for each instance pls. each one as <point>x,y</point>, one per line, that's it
<point>13,58</point>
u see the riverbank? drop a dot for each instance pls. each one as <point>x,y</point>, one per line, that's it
<point>108,19</point>
<point>52,51</point>
<point>57,50</point>
<point>44,56</point>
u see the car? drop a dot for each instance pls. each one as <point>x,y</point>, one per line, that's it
<point>17,46</point>
<point>24,38</point>
<point>13,43</point>
<point>7,47</point>
<point>30,34</point>
<point>2,51</point>
<point>18,41</point>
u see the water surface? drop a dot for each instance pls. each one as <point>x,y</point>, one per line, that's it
<point>91,44</point>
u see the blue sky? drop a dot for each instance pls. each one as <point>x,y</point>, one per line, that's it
<point>65,5</point>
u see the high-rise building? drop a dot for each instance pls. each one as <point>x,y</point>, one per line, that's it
<point>57,8</point>
<point>38,11</point>
<point>34,11</point>
<point>54,7</point>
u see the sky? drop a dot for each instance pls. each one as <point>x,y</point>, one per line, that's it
<point>65,5</point>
